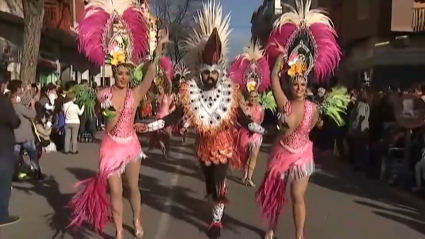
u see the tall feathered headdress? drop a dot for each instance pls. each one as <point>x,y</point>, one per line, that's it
<point>309,42</point>
<point>207,45</point>
<point>250,70</point>
<point>181,72</point>
<point>113,32</point>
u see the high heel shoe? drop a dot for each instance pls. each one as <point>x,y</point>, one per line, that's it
<point>138,230</point>
<point>119,235</point>
<point>269,235</point>
<point>249,182</point>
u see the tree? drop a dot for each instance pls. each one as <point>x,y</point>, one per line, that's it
<point>33,19</point>
<point>178,15</point>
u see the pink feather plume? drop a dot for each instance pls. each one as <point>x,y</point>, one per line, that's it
<point>236,71</point>
<point>90,34</point>
<point>167,67</point>
<point>139,31</point>
<point>280,36</point>
<point>328,52</point>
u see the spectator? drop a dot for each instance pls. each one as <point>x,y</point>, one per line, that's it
<point>8,122</point>
<point>72,123</point>
<point>359,132</point>
<point>24,136</point>
<point>47,98</point>
<point>4,84</point>
<point>43,130</point>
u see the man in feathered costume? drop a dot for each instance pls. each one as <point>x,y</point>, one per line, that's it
<point>114,32</point>
<point>304,44</point>
<point>210,103</point>
<point>251,72</point>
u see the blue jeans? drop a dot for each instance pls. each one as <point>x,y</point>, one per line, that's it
<point>7,168</point>
<point>31,149</point>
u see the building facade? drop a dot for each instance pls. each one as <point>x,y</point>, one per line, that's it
<point>382,41</point>
<point>58,49</point>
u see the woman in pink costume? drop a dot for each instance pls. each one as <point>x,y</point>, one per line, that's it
<point>310,47</point>
<point>251,71</point>
<point>163,81</point>
<point>120,150</point>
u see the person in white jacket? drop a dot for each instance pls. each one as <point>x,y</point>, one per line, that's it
<point>72,123</point>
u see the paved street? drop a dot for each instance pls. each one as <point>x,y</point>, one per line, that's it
<point>341,205</point>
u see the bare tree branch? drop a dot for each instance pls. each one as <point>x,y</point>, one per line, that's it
<point>178,15</point>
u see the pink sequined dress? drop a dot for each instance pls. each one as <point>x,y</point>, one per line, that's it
<point>160,135</point>
<point>291,158</point>
<point>119,147</point>
<point>246,141</point>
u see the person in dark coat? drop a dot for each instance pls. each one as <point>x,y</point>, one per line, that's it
<point>8,122</point>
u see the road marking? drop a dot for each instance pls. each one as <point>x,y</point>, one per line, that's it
<point>164,219</point>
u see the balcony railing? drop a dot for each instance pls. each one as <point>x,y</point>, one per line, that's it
<point>57,14</point>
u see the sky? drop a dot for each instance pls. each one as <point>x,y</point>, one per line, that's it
<point>241,13</point>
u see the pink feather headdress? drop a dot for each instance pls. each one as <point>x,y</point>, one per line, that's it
<point>113,31</point>
<point>250,70</point>
<point>309,42</point>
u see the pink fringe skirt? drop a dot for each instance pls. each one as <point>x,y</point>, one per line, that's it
<point>91,204</point>
<point>283,167</point>
<point>246,142</point>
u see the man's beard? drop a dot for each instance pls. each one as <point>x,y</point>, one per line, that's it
<point>209,83</point>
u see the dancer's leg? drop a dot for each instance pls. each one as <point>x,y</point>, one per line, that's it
<point>298,189</point>
<point>219,173</point>
<point>209,183</point>
<point>132,176</point>
<point>252,162</point>
<point>115,188</point>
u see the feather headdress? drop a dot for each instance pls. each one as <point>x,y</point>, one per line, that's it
<point>113,31</point>
<point>309,41</point>
<point>251,70</point>
<point>208,43</point>
<point>181,72</point>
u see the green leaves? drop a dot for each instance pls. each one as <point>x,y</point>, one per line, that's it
<point>85,96</point>
<point>138,74</point>
<point>268,102</point>
<point>335,104</point>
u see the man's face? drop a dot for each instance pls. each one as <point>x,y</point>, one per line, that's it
<point>210,77</point>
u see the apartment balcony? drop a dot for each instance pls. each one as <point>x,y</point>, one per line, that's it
<point>58,15</point>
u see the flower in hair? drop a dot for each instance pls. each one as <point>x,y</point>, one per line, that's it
<point>251,86</point>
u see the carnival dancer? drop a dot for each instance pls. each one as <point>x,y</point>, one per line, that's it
<point>310,50</point>
<point>181,74</point>
<point>251,71</point>
<point>210,105</point>
<point>118,30</point>
<point>163,85</point>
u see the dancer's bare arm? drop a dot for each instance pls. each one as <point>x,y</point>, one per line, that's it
<point>247,123</point>
<point>317,120</point>
<point>168,120</point>
<point>279,95</point>
<point>141,90</point>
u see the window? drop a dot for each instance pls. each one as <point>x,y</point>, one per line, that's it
<point>363,9</point>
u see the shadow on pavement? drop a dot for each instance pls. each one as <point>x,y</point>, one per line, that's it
<point>337,176</point>
<point>59,219</point>
<point>184,207</point>
<point>407,216</point>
